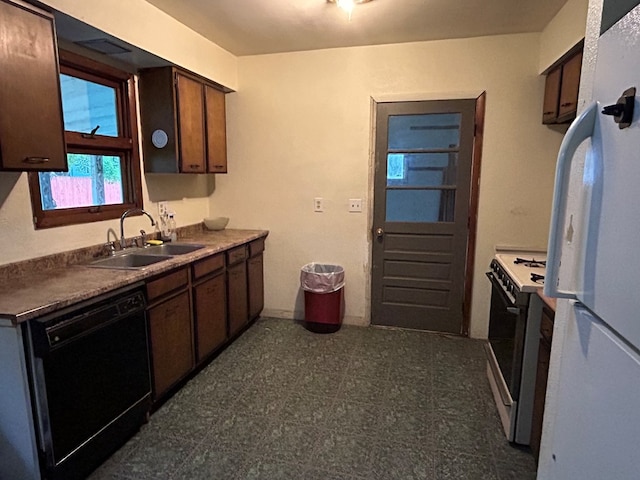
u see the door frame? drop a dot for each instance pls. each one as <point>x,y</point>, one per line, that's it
<point>472,220</point>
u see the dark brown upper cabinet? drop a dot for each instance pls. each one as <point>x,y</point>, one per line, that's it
<point>31,125</point>
<point>183,122</point>
<point>561,90</point>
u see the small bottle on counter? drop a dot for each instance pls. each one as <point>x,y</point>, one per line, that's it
<point>171,226</point>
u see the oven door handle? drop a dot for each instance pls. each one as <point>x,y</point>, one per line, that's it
<point>511,306</point>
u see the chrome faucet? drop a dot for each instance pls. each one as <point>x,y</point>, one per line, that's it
<point>123,242</point>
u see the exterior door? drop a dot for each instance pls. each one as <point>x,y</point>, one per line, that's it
<point>423,160</point>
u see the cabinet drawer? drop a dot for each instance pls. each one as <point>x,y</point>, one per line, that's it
<point>167,283</point>
<point>236,255</point>
<point>256,247</point>
<point>208,265</point>
<point>546,324</point>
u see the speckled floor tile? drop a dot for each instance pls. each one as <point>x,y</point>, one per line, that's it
<point>207,463</point>
<point>320,382</point>
<point>393,461</point>
<point>265,468</point>
<point>185,420</point>
<point>308,409</point>
<point>347,454</point>
<point>238,432</point>
<point>362,403</point>
<point>157,457</point>
<point>289,442</point>
<point>363,389</point>
<point>414,394</point>
<point>507,471</point>
<point>350,416</point>
<point>461,435</point>
<point>454,465</point>
<point>462,403</point>
<point>406,425</point>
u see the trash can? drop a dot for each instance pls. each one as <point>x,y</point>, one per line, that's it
<point>323,287</point>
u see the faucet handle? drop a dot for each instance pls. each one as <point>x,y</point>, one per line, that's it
<point>111,247</point>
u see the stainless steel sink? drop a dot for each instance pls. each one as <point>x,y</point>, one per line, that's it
<point>170,249</point>
<point>128,261</point>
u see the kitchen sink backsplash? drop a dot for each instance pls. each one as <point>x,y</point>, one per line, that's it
<point>80,255</point>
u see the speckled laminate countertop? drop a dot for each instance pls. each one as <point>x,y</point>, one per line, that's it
<point>32,295</point>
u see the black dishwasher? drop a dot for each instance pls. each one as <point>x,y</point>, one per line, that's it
<point>89,369</point>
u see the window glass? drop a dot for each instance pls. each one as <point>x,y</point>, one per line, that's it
<point>91,180</point>
<point>87,105</point>
<point>420,205</point>
<point>422,169</point>
<point>103,179</point>
<point>429,131</point>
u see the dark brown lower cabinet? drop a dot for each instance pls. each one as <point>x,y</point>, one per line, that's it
<point>210,306</point>
<point>237,297</point>
<point>542,374</point>
<point>171,341</point>
<point>255,280</point>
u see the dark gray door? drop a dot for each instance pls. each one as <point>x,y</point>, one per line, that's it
<point>422,181</point>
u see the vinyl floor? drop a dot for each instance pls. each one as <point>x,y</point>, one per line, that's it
<point>361,403</point>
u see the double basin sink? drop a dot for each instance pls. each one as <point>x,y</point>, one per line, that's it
<point>138,258</point>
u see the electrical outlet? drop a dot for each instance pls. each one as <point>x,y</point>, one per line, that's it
<point>355,205</point>
<point>163,209</point>
<point>318,204</point>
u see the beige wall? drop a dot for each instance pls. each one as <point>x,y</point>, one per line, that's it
<point>564,31</point>
<point>149,28</point>
<point>299,127</point>
<point>141,24</point>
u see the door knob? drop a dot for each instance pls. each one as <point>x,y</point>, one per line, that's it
<point>379,232</point>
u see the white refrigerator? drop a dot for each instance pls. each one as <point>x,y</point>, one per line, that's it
<point>593,428</point>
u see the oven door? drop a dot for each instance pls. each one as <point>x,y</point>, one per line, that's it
<point>507,322</point>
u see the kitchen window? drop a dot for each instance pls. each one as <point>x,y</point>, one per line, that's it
<point>103,179</point>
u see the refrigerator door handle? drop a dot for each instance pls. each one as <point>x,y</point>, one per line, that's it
<point>581,129</point>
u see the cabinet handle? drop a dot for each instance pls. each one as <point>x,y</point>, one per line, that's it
<point>36,160</point>
<point>194,165</point>
<point>567,104</point>
<point>548,113</point>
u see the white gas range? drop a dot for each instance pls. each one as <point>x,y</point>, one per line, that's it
<point>512,349</point>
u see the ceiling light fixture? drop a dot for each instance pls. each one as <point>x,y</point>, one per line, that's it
<point>347,5</point>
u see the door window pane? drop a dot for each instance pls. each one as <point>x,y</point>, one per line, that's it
<point>432,131</point>
<point>420,205</point>
<point>421,169</point>
<point>92,180</point>
<point>86,105</point>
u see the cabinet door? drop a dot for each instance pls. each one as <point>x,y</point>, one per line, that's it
<point>210,300</point>
<point>237,297</point>
<point>31,128</point>
<point>569,88</point>
<point>190,124</point>
<point>542,374</point>
<point>216,130</point>
<point>256,285</point>
<point>171,345</point>
<point>551,95</point>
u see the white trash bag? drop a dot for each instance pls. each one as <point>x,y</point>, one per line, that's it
<point>321,278</point>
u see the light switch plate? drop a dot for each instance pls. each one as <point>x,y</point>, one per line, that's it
<point>318,204</point>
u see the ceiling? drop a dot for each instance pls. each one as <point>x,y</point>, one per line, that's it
<point>250,27</point>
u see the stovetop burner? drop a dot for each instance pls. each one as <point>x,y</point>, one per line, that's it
<point>531,263</point>
<point>537,278</point>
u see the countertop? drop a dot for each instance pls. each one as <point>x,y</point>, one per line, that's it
<point>31,295</point>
